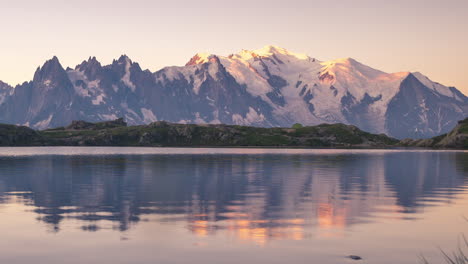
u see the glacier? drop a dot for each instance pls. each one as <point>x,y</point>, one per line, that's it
<point>267,87</point>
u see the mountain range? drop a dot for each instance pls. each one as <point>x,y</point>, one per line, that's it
<point>267,87</point>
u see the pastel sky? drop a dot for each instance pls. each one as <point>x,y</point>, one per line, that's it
<point>401,35</point>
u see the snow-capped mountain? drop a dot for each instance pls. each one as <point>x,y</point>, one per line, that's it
<point>267,87</point>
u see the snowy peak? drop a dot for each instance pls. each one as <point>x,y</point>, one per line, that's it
<point>270,86</point>
<point>200,58</point>
<point>306,90</point>
<point>343,63</point>
<point>269,51</point>
<point>349,69</point>
<point>360,79</point>
<point>350,66</point>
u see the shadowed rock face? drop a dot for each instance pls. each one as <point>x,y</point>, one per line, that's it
<point>267,91</point>
<point>5,90</point>
<point>418,112</point>
<point>44,102</point>
<point>358,112</point>
<point>219,99</point>
<point>95,93</point>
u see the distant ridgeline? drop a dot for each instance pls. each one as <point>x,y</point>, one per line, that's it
<point>268,87</point>
<point>164,134</point>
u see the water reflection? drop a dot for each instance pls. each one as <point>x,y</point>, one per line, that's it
<point>250,197</point>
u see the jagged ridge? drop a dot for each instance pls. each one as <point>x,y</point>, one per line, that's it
<point>267,87</point>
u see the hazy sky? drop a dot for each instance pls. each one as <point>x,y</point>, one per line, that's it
<point>400,35</point>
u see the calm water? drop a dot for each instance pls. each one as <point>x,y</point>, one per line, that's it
<point>156,205</point>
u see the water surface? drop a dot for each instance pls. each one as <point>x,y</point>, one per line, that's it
<point>173,205</point>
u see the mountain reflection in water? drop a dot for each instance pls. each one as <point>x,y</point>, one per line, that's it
<point>249,197</point>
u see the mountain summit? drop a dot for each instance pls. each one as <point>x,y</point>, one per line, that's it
<point>267,87</point>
